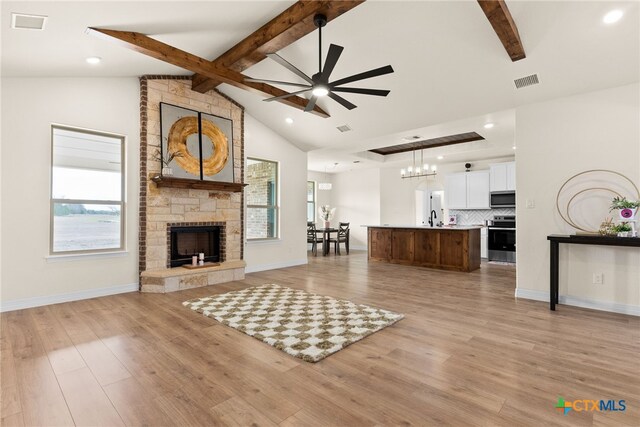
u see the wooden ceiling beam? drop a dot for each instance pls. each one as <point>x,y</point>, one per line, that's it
<point>291,25</point>
<point>164,52</point>
<point>503,24</point>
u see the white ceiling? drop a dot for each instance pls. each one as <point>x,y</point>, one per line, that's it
<point>451,72</point>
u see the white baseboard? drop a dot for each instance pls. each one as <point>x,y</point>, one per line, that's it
<point>531,294</point>
<point>613,307</point>
<point>19,304</point>
<point>284,264</point>
<point>357,248</point>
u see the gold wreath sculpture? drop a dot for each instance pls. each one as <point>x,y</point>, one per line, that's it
<point>186,126</point>
<point>568,218</point>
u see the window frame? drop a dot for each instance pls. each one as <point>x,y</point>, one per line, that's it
<point>122,202</point>
<point>313,202</point>
<point>276,208</point>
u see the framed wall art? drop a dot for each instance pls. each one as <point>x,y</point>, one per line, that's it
<point>195,145</point>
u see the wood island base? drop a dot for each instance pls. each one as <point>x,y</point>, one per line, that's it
<point>444,248</point>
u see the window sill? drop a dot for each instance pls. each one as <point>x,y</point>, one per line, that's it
<point>77,257</point>
<point>264,241</point>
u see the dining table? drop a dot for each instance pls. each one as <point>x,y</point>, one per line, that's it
<point>326,236</point>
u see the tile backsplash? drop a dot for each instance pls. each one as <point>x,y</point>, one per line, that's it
<point>474,217</point>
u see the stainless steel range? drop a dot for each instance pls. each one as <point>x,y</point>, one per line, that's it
<point>502,238</point>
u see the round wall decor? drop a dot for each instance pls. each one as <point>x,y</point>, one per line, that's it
<point>177,142</point>
<point>591,181</point>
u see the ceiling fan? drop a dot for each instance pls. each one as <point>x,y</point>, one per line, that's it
<point>319,84</point>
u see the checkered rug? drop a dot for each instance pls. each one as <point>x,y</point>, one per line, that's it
<point>305,325</point>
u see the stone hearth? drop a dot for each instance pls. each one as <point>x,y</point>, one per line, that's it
<point>162,207</point>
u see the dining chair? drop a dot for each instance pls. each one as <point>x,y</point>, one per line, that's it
<point>342,237</point>
<point>312,237</point>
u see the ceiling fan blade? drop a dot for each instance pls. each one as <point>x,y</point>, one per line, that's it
<point>346,104</point>
<point>311,104</point>
<point>276,82</point>
<point>332,59</point>
<point>387,69</point>
<point>287,95</point>
<point>376,92</point>
<point>280,60</point>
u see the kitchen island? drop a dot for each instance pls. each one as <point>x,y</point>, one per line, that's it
<point>448,248</point>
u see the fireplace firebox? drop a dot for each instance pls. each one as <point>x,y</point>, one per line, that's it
<point>187,241</point>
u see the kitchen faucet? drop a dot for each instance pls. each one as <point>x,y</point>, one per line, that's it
<point>432,216</point>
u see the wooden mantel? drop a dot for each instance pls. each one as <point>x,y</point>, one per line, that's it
<point>196,184</point>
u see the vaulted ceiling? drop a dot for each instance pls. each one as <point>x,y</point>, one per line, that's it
<point>452,74</point>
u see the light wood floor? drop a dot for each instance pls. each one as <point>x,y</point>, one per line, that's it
<point>467,353</point>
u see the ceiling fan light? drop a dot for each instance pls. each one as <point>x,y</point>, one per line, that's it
<point>320,91</point>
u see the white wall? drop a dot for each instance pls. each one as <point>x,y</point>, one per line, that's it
<point>291,248</point>
<point>356,197</point>
<point>557,139</point>
<point>29,107</point>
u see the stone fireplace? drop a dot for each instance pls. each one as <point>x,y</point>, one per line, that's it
<point>214,216</point>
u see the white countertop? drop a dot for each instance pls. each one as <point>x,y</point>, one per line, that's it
<point>427,227</point>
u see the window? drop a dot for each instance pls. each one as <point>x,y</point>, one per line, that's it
<point>87,191</point>
<point>311,201</point>
<point>262,199</point>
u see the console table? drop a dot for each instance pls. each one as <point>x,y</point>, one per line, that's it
<point>556,239</point>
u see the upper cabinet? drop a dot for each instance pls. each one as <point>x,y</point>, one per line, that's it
<point>503,176</point>
<point>455,190</point>
<point>467,190</point>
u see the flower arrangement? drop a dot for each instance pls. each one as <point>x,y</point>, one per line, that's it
<point>622,227</point>
<point>627,209</point>
<point>326,212</point>
<point>623,203</point>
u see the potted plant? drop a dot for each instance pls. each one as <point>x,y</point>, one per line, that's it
<point>622,229</point>
<point>627,209</point>
<point>166,169</point>
<point>326,213</point>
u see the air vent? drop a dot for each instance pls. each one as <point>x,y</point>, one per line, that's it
<point>21,21</point>
<point>344,128</point>
<point>526,81</point>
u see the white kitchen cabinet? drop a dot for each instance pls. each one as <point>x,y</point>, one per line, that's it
<point>503,176</point>
<point>511,176</point>
<point>478,190</point>
<point>484,242</point>
<point>467,190</point>
<point>455,186</point>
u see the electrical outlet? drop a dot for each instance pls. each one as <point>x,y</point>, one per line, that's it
<point>598,278</point>
<point>531,203</point>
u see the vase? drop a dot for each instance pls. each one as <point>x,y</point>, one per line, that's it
<point>623,234</point>
<point>327,224</point>
<point>628,214</point>
<point>167,171</point>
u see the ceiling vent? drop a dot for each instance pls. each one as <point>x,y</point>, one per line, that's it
<point>526,81</point>
<point>344,128</point>
<point>21,21</point>
<point>411,138</point>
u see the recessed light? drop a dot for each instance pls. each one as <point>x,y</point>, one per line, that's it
<point>289,120</point>
<point>514,147</point>
<point>440,157</point>
<point>613,16</point>
<point>488,125</point>
<point>93,60</point>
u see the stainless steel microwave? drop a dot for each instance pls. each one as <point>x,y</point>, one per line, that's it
<point>503,199</point>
